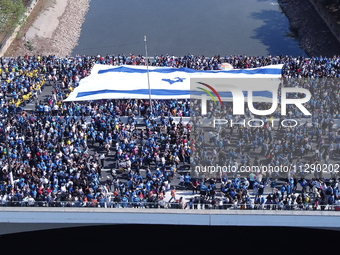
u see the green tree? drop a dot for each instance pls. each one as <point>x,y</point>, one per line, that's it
<point>11,12</point>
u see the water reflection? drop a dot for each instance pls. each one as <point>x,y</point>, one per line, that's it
<point>176,27</point>
<point>275,34</point>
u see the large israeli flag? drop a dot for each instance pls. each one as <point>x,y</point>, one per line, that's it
<point>124,82</point>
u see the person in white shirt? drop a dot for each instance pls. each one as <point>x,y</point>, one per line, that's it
<point>108,200</point>
<point>30,201</point>
<point>107,147</point>
<point>102,157</point>
<point>317,184</point>
<point>63,188</point>
<point>55,109</point>
<point>4,199</point>
<point>45,180</point>
<point>46,109</point>
<point>163,161</point>
<point>128,163</point>
<point>181,180</point>
<point>69,184</point>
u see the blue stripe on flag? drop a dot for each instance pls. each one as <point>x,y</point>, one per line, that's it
<point>167,92</point>
<point>124,69</point>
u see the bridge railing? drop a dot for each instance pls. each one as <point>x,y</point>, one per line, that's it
<point>166,205</point>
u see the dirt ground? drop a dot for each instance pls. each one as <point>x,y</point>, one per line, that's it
<point>53,28</point>
<point>19,44</point>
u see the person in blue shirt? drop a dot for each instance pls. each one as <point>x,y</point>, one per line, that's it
<point>41,109</point>
<point>190,203</point>
<point>136,201</point>
<point>303,184</point>
<point>283,189</point>
<point>187,179</point>
<point>124,202</point>
<point>289,189</point>
<point>203,189</point>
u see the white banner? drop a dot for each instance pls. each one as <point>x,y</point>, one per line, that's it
<point>125,82</point>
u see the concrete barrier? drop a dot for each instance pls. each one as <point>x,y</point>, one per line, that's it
<point>45,217</point>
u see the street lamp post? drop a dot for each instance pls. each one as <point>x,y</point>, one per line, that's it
<point>8,159</point>
<point>147,68</point>
<point>7,155</point>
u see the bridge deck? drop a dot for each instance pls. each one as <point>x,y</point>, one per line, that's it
<point>47,218</point>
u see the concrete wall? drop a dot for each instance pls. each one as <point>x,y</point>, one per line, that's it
<point>330,21</point>
<point>11,37</point>
<point>45,218</point>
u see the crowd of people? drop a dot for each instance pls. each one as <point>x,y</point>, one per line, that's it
<point>57,152</point>
<point>240,193</point>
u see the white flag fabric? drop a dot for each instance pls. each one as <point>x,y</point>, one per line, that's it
<point>130,82</point>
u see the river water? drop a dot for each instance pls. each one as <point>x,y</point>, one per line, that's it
<point>180,27</point>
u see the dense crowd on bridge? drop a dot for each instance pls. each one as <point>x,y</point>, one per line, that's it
<point>57,152</point>
<point>248,193</point>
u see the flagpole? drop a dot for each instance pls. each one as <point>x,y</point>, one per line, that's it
<point>147,68</point>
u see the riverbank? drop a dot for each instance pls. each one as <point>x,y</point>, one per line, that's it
<point>315,37</point>
<point>55,30</point>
